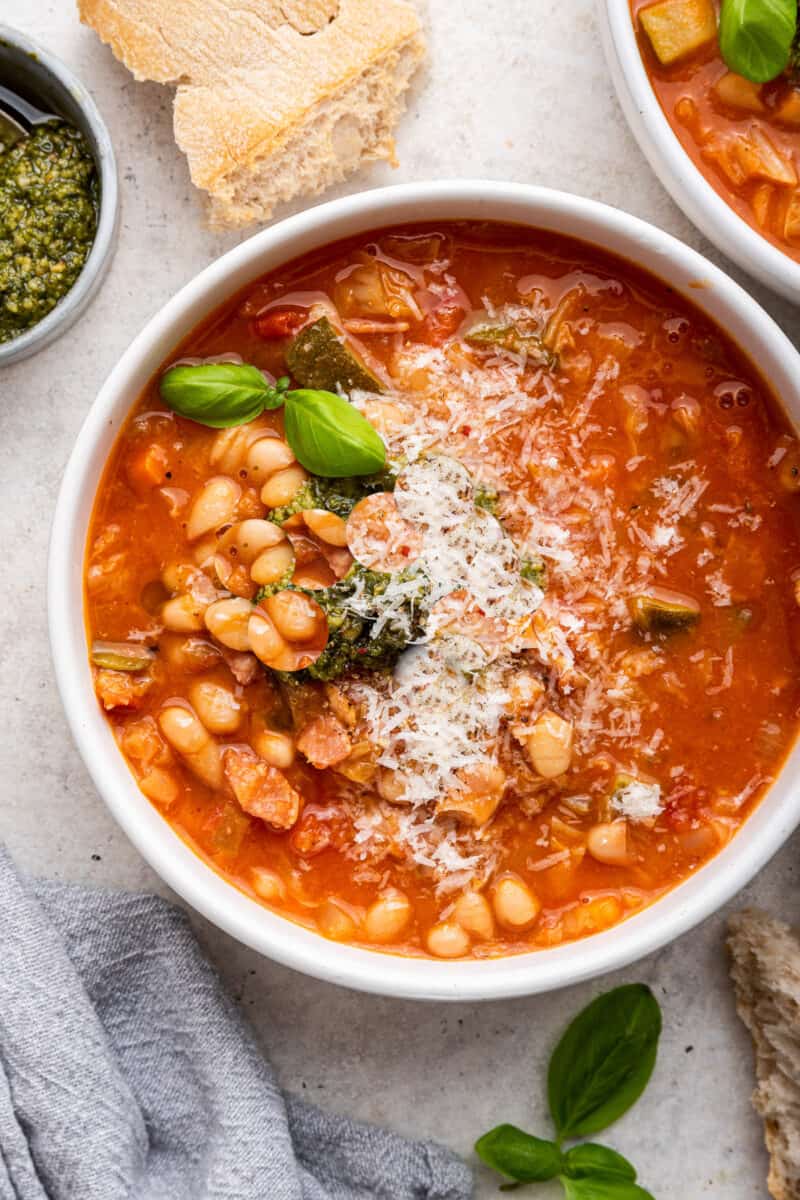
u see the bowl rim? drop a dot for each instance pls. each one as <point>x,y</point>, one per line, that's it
<point>71,305</point>
<point>687,185</point>
<point>178,865</point>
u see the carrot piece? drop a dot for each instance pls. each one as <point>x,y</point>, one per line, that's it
<point>147,468</point>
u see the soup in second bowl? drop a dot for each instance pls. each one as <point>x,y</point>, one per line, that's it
<point>743,136</point>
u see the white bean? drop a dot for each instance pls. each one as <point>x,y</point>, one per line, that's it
<point>214,505</point>
<point>230,445</point>
<point>189,737</point>
<point>473,912</point>
<point>264,639</point>
<point>515,905</point>
<point>387,917</point>
<point>297,618</point>
<point>227,620</point>
<point>216,706</point>
<point>327,526</point>
<point>608,843</point>
<point>266,456</point>
<point>448,940</point>
<point>283,486</point>
<point>183,614</point>
<point>549,745</point>
<point>273,564</point>
<point>247,539</point>
<point>334,922</point>
<point>267,884</point>
<point>278,749</point>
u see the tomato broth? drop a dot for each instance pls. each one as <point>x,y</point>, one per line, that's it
<point>515,687</point>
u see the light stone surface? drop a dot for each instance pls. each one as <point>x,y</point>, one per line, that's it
<point>515,89</point>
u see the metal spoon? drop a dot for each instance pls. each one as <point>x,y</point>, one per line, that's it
<point>18,118</point>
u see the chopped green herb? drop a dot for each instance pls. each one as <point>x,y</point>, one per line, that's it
<point>534,571</point>
<point>486,497</point>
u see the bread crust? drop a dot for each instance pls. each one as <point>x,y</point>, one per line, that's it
<point>765,968</point>
<point>255,78</point>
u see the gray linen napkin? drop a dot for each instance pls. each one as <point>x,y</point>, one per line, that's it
<point>127,1073</point>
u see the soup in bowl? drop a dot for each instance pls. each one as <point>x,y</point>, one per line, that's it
<point>725,144</point>
<point>440,590</point>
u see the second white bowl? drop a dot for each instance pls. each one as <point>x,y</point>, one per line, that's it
<point>688,187</point>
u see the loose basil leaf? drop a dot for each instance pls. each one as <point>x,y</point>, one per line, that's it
<point>590,1159</point>
<point>603,1187</point>
<point>217,394</point>
<point>755,36</point>
<point>519,1155</point>
<point>330,437</point>
<point>604,1060</point>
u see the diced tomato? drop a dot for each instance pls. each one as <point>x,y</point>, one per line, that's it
<point>441,323</point>
<point>444,318</point>
<point>280,323</point>
<point>319,829</point>
<point>682,806</point>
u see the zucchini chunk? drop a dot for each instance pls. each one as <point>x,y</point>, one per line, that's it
<point>486,335</point>
<point>660,611</point>
<point>121,656</point>
<point>677,28</point>
<point>319,359</point>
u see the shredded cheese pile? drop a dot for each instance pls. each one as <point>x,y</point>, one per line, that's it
<point>493,418</point>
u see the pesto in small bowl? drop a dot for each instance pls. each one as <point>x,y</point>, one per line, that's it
<point>48,221</point>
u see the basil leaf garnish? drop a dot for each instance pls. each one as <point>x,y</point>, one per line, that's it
<point>602,1187</point>
<point>217,394</point>
<point>590,1159</point>
<point>755,36</point>
<point>329,436</point>
<point>519,1155</point>
<point>604,1060</point>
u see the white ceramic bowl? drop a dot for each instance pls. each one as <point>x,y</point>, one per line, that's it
<point>686,184</point>
<point>689,274</point>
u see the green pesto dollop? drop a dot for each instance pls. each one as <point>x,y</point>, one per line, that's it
<point>351,641</point>
<point>338,496</point>
<point>48,220</point>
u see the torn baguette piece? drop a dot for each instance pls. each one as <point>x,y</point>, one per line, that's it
<point>765,969</point>
<point>276,99</point>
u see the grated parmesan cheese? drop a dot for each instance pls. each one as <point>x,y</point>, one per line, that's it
<point>638,801</point>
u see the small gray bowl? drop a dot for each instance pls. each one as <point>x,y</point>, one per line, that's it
<point>27,67</point>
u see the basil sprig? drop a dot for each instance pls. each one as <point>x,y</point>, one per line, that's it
<point>597,1071</point>
<point>756,36</point>
<point>327,434</point>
